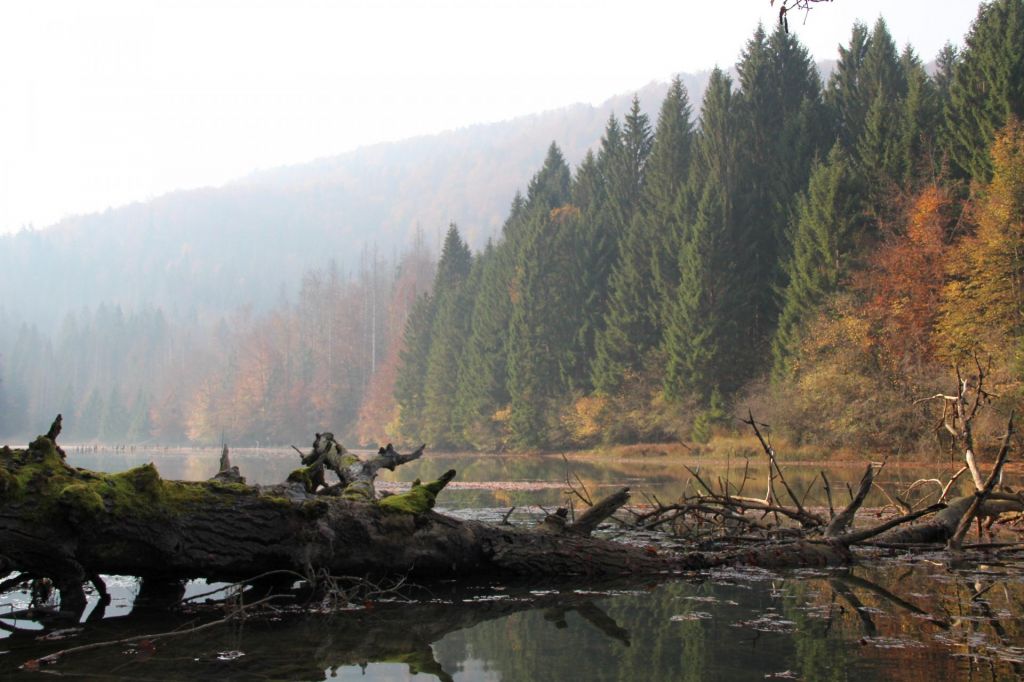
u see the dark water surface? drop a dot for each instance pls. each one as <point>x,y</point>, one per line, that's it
<point>891,617</point>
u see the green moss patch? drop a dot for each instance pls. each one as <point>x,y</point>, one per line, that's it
<point>82,501</point>
<point>62,492</point>
<point>420,497</point>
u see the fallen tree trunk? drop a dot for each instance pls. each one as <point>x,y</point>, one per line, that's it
<point>70,525</point>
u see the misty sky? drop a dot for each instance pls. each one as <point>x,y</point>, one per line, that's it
<point>104,103</point>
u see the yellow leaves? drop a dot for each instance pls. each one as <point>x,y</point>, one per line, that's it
<point>565,213</point>
<point>584,420</point>
<point>982,304</point>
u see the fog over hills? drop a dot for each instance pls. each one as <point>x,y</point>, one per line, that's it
<point>208,251</point>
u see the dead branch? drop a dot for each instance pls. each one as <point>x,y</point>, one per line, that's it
<point>979,499</point>
<point>844,518</point>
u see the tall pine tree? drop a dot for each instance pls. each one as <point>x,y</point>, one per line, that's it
<point>450,328</point>
<point>539,334</point>
<point>703,344</point>
<point>826,222</point>
<point>647,251</point>
<point>987,87</point>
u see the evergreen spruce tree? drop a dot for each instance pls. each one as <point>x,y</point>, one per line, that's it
<point>615,179</point>
<point>549,188</point>
<point>447,338</point>
<point>945,64</point>
<point>826,222</point>
<point>881,71</point>
<point>845,94</point>
<point>782,127</point>
<point>539,334</point>
<point>668,175</point>
<point>920,121</point>
<point>632,322</point>
<point>987,87</point>
<point>626,167</point>
<point>704,344</point>
<point>482,371</point>
<point>702,339</point>
<point>878,151</point>
<point>409,386</point>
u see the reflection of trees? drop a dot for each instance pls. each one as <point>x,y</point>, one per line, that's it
<point>911,620</point>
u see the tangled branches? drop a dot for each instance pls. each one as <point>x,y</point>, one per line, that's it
<point>787,6</point>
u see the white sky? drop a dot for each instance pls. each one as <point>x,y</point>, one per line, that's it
<point>104,103</point>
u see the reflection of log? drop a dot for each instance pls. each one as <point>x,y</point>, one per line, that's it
<point>303,648</point>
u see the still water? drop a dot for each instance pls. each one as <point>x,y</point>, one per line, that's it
<point>891,617</point>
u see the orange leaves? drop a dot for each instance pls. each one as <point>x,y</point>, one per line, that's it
<point>564,214</point>
<point>904,279</point>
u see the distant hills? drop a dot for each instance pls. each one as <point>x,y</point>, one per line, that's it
<point>205,252</point>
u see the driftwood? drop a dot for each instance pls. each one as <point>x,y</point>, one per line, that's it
<point>722,516</point>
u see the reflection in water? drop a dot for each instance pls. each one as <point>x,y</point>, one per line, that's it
<point>901,621</point>
<point>888,618</point>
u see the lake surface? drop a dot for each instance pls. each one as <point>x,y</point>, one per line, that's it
<point>891,617</point>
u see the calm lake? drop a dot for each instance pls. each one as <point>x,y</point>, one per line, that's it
<point>893,616</point>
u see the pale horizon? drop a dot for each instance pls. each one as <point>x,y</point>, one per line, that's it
<point>121,102</point>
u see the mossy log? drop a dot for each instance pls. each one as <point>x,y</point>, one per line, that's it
<point>70,525</point>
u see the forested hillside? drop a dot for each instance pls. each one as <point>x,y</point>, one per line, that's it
<point>823,251</point>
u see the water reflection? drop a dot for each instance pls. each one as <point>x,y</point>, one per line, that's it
<point>898,620</point>
<point>890,617</point>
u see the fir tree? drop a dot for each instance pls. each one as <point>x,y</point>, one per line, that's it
<point>987,87</point>
<point>878,149</point>
<point>482,371</point>
<point>447,338</point>
<point>826,221</point>
<point>616,178</point>
<point>409,386</point>
<point>782,126</point>
<point>920,121</point>
<point>539,334</point>
<point>703,339</point>
<point>845,94</point>
<point>632,323</point>
<point>549,188</point>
